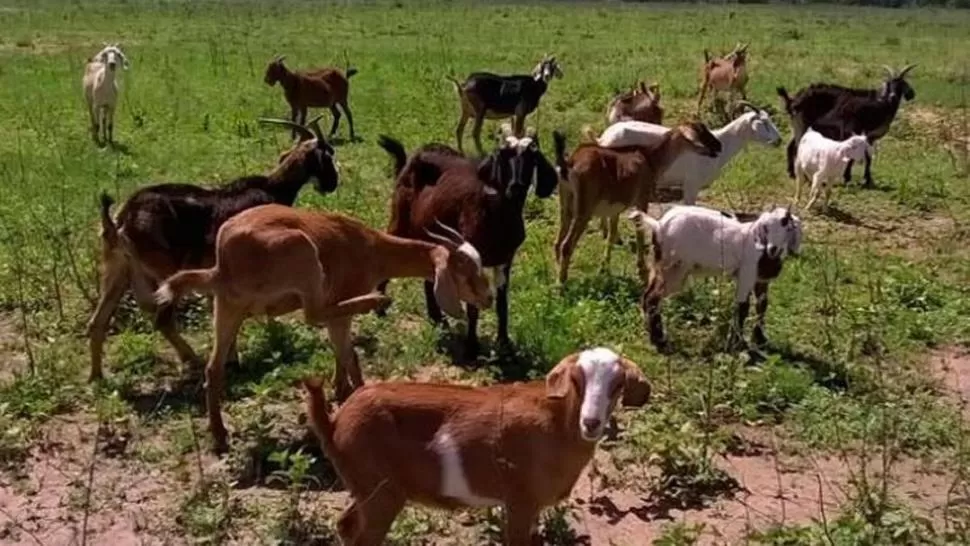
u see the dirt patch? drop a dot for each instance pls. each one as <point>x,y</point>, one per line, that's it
<point>952,366</point>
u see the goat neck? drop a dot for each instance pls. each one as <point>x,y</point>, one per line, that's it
<point>407,258</point>
<point>734,137</point>
<point>288,177</point>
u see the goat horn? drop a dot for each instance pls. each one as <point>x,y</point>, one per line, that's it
<point>889,71</point>
<point>314,124</point>
<point>304,132</point>
<point>453,236</point>
<point>905,70</point>
<point>749,105</point>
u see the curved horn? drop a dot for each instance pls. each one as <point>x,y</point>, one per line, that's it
<point>747,104</point>
<point>452,238</point>
<point>905,70</point>
<point>279,58</point>
<point>889,72</point>
<point>314,124</point>
<point>304,132</point>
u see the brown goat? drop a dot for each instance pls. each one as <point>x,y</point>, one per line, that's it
<point>602,182</point>
<point>272,260</point>
<point>640,104</point>
<point>318,88</point>
<point>163,228</point>
<point>520,446</point>
<point>728,73</point>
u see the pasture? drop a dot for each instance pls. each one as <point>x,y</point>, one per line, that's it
<point>849,430</point>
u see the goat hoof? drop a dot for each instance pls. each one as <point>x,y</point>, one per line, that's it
<point>759,339</point>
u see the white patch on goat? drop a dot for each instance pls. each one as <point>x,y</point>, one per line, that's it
<point>600,367</point>
<point>453,482</point>
<point>519,144</point>
<point>469,250</point>
<point>164,295</point>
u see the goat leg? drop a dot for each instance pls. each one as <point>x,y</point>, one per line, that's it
<point>477,131</point>
<point>761,308</point>
<point>382,289</point>
<point>650,304</point>
<point>114,282</point>
<point>502,303</point>
<point>460,131</point>
<point>791,151</point>
<point>868,173</point>
<point>434,312</point>
<point>847,174</point>
<point>520,526</point>
<point>350,119</point>
<point>226,323</point>
<point>336,120</point>
<point>295,116</point>
<point>735,338</point>
<point>472,346</point>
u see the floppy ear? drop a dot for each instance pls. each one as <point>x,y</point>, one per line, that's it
<point>446,291</point>
<point>636,388</point>
<point>557,381</point>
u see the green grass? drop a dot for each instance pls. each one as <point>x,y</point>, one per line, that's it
<point>851,321</point>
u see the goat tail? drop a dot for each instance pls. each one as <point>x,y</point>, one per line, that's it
<point>350,71</point>
<point>707,56</point>
<point>319,417</point>
<point>168,294</point>
<point>455,82</point>
<point>109,230</point>
<point>785,98</point>
<point>396,149</point>
<point>559,143</point>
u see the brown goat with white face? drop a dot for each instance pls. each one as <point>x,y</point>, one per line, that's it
<point>520,446</point>
<point>640,104</point>
<point>272,260</point>
<point>317,88</point>
<point>728,73</point>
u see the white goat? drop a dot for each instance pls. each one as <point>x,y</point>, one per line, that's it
<point>101,90</point>
<point>823,160</point>
<point>691,173</point>
<point>693,240</point>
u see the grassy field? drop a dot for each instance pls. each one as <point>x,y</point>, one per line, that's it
<point>852,395</point>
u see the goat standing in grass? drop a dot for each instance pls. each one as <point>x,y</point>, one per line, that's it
<point>728,73</point>
<point>319,88</point>
<point>520,446</point>
<point>692,240</point>
<point>485,95</point>
<point>822,160</point>
<point>163,228</point>
<point>839,112</point>
<point>101,91</point>
<point>640,104</point>
<point>272,260</point>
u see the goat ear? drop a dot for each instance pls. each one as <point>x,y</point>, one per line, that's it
<point>636,388</point>
<point>446,291</point>
<point>546,177</point>
<point>558,380</point>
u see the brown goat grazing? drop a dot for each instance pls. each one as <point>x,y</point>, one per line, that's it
<point>728,73</point>
<point>602,182</point>
<point>318,88</point>
<point>640,104</point>
<point>163,228</point>
<point>520,446</point>
<point>272,260</point>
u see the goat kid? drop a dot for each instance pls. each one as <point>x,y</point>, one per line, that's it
<point>520,446</point>
<point>692,240</point>
<point>164,228</point>
<point>483,200</point>
<point>485,95</point>
<point>602,182</point>
<point>273,259</point>
<point>101,91</point>
<point>822,161</point>
<point>728,73</point>
<point>316,88</point>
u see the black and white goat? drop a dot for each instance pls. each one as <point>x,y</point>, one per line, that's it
<point>693,240</point>
<point>839,112</point>
<point>485,95</point>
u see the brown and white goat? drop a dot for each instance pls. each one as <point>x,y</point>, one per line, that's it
<point>640,104</point>
<point>163,228</point>
<point>728,73</point>
<point>317,88</point>
<point>520,446</point>
<point>602,182</point>
<point>272,260</point>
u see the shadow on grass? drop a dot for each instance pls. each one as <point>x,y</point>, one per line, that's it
<point>505,362</point>
<point>255,465</point>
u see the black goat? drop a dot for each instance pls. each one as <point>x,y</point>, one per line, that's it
<point>482,200</point>
<point>487,95</point>
<point>839,112</point>
<point>164,228</point>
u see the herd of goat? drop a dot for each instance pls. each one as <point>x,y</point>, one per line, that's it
<point>452,218</point>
